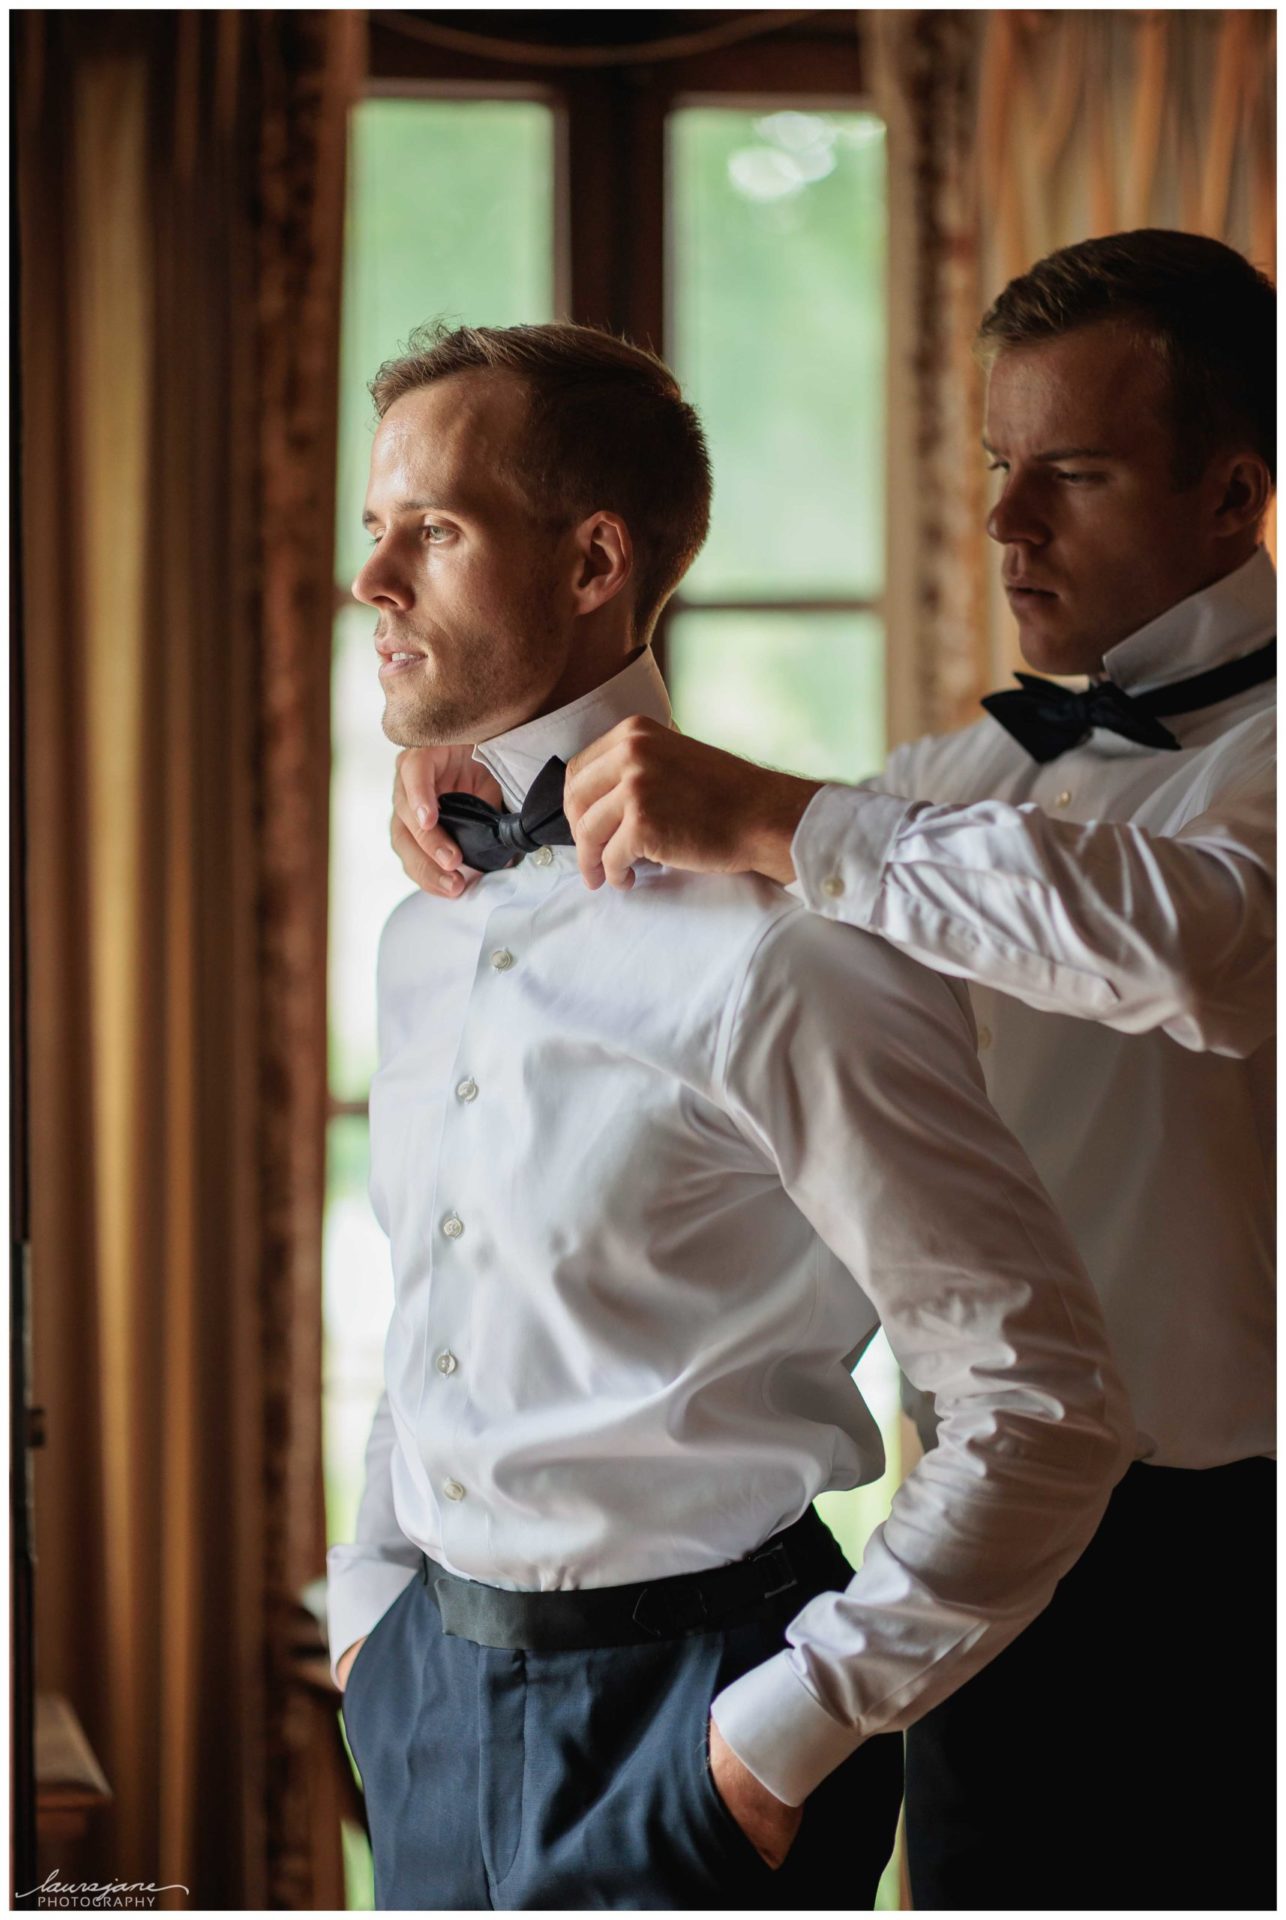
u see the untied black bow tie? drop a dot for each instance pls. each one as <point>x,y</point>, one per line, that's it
<point>489,837</point>
<point>1048,719</point>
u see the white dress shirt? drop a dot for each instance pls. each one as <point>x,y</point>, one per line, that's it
<point>654,1166</point>
<point>1104,907</point>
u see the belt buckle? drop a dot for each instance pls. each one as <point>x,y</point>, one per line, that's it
<point>780,1554</point>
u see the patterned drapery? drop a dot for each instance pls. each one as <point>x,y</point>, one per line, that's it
<point>1012,134</point>
<point>180,194</point>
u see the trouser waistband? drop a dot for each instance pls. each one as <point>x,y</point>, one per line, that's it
<point>800,1561</point>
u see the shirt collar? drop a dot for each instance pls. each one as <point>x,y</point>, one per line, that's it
<point>516,757</point>
<point>1221,623</point>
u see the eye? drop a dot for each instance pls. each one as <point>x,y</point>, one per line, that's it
<point>436,532</point>
<point>1074,477</point>
<point>998,466</point>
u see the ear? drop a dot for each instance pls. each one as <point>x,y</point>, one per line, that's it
<point>604,561</point>
<point>1243,491</point>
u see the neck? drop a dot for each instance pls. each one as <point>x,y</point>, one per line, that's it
<point>591,661</point>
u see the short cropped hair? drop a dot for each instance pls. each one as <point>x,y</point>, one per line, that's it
<point>1203,308</point>
<point>608,430</point>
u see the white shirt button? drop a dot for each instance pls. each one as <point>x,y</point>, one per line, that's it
<point>453,1226</point>
<point>1063,799</point>
<point>453,1490</point>
<point>543,857</point>
<point>467,1090</point>
<point>447,1363</point>
<point>502,959</point>
<point>984,1039</point>
<point>832,886</point>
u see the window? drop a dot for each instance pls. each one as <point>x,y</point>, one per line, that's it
<point>744,236</point>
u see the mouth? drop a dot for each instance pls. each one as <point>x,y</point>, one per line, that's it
<point>1023,595</point>
<point>394,662</point>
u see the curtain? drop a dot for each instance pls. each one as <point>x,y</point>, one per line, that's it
<point>1013,134</point>
<point>180,204</point>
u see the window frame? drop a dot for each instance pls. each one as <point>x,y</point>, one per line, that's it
<point>611,262</point>
<point>611,242</point>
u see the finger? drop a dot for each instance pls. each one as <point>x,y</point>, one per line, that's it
<point>420,783</point>
<point>420,870</point>
<point>586,785</point>
<point>595,828</point>
<point>433,840</point>
<point>619,855</point>
<point>605,743</point>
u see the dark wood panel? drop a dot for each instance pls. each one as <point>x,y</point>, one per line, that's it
<point>817,60</point>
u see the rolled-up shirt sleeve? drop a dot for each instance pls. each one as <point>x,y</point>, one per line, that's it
<point>364,1577</point>
<point>855,1072</point>
<point>1103,920</point>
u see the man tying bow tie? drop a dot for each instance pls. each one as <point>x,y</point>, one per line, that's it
<point>654,1167</point>
<point>1100,868</point>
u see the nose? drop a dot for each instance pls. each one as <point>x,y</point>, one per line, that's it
<point>380,583</point>
<point>1017,518</point>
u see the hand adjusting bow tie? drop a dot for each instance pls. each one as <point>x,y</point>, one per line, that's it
<point>488,837</point>
<point>1047,719</point>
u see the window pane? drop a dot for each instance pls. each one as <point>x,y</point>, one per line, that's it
<point>450,214</point>
<point>366,877</point>
<point>777,244</point>
<point>357,1304</point>
<point>801,691</point>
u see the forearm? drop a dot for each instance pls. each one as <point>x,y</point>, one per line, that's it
<point>856,1070</point>
<point>1102,921</point>
<point>365,1576</point>
<point>978,1537</point>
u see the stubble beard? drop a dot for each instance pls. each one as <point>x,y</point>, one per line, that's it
<point>472,702</point>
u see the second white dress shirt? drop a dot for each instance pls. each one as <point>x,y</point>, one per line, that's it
<point>1114,912</point>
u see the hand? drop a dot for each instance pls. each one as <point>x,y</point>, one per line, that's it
<point>427,852</point>
<point>645,792</point>
<point>767,1822</point>
<point>343,1665</point>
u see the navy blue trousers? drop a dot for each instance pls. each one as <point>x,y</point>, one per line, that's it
<point>513,1779</point>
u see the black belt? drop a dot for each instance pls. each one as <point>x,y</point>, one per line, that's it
<point>787,1570</point>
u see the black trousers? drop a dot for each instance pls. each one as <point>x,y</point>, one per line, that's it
<point>497,1777</point>
<point>1120,1753</point>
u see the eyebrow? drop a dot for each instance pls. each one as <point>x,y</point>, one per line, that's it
<point>1063,453</point>
<point>369,518</point>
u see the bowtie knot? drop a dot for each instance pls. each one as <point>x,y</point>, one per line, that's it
<point>489,837</point>
<point>1048,719</point>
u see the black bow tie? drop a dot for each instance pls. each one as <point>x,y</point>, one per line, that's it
<point>1047,719</point>
<point>489,838</point>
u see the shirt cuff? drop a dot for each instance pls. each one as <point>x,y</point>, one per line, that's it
<point>840,849</point>
<point>778,1729</point>
<point>359,1592</point>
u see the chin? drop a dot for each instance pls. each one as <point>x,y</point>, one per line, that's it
<point>422,723</point>
<point>1060,654</point>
